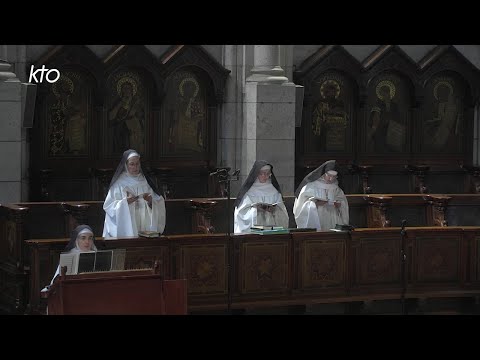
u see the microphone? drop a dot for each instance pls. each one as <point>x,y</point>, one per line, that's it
<point>404,223</point>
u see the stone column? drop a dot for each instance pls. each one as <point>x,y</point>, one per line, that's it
<point>268,131</point>
<point>12,138</point>
<point>266,65</point>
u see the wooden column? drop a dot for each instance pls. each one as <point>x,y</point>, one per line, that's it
<point>202,211</point>
<point>437,206</point>
<point>474,183</point>
<point>420,171</point>
<point>364,172</point>
<point>44,176</point>
<point>75,214</point>
<point>104,177</point>
<point>377,214</point>
<point>165,183</point>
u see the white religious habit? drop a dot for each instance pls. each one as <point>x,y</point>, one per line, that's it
<point>321,217</point>
<point>123,219</point>
<point>246,214</point>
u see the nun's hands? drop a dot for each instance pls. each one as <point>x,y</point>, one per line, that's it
<point>131,198</point>
<point>148,198</point>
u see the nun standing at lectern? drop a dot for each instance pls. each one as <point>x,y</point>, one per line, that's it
<point>319,202</point>
<point>259,201</point>
<point>132,203</point>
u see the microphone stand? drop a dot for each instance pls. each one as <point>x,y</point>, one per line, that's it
<point>403,259</point>
<point>225,177</point>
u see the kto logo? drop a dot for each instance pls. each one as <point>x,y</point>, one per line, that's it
<point>42,71</point>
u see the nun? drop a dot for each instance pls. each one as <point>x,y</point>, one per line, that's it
<point>132,203</point>
<point>81,240</point>
<point>259,201</point>
<point>319,202</point>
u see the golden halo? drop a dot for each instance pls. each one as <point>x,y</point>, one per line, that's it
<point>330,82</point>
<point>63,80</point>
<point>445,83</point>
<point>192,80</point>
<point>387,83</point>
<point>126,79</point>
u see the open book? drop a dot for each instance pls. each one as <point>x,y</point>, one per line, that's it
<point>266,227</point>
<point>265,204</point>
<point>329,202</point>
<point>134,192</point>
<point>89,261</point>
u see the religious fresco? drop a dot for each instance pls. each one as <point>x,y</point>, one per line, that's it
<point>331,119</point>
<point>187,117</point>
<point>126,112</point>
<point>388,107</point>
<point>443,115</point>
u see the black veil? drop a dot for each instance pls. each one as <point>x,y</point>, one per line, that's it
<point>74,234</point>
<point>252,176</point>
<point>315,174</point>
<point>121,168</point>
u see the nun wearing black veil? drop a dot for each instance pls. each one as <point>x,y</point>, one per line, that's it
<point>319,202</point>
<point>259,201</point>
<point>132,203</point>
<point>81,239</point>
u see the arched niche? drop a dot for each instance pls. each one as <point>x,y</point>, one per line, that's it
<point>329,116</point>
<point>132,98</point>
<point>63,138</point>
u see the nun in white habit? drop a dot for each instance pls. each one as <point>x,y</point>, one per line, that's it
<point>132,203</point>
<point>259,201</point>
<point>319,202</point>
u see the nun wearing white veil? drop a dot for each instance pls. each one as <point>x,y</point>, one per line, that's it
<point>259,201</point>
<point>320,203</point>
<point>132,203</point>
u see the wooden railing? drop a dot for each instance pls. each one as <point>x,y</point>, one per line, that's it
<point>297,268</point>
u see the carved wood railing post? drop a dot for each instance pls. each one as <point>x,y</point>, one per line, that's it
<point>437,206</point>
<point>420,172</point>
<point>377,214</point>
<point>104,176</point>
<point>474,172</point>
<point>202,211</point>
<point>75,214</point>
<point>364,172</point>
<point>165,185</point>
<point>219,187</point>
<point>44,176</point>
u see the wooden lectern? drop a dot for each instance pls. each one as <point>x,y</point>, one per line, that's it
<point>126,292</point>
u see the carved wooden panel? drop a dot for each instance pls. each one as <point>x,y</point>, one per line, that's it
<point>438,259</point>
<point>68,105</point>
<point>127,112</point>
<point>323,264</point>
<point>204,267</point>
<point>145,257</point>
<point>263,266</point>
<point>443,115</point>
<point>387,114</point>
<point>379,261</point>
